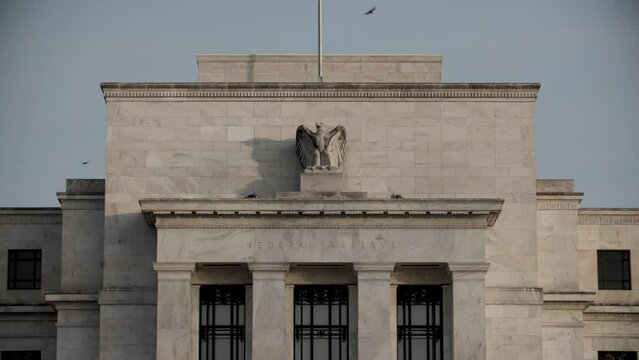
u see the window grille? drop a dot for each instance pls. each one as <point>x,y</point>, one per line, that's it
<point>617,355</point>
<point>20,355</point>
<point>613,269</point>
<point>222,322</point>
<point>419,323</point>
<point>24,269</point>
<point>321,322</point>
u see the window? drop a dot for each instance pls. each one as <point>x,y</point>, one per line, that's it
<point>222,324</point>
<point>419,323</point>
<point>24,269</point>
<point>321,322</point>
<point>613,267</point>
<point>20,355</point>
<point>617,355</point>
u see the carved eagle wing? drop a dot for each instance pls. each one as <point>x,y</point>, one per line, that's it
<point>336,140</point>
<point>305,146</point>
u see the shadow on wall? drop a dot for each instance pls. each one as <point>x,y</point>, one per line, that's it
<point>278,168</point>
<point>129,251</point>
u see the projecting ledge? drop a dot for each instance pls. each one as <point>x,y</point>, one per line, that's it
<point>73,301</point>
<point>300,213</point>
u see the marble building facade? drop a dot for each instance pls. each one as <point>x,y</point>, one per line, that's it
<point>204,195</point>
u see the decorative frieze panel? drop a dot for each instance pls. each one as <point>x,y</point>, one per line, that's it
<point>564,201</point>
<point>30,216</point>
<point>608,220</point>
<point>606,216</point>
<point>557,205</point>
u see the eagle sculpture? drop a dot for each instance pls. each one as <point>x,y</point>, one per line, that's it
<point>320,150</point>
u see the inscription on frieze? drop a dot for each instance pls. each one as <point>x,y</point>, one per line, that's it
<point>362,245</point>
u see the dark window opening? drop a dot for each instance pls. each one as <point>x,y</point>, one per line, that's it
<point>613,269</point>
<point>420,323</point>
<point>222,323</point>
<point>617,355</point>
<point>24,269</point>
<point>321,322</point>
<point>20,355</point>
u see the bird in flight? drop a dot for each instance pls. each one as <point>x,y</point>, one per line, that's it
<point>85,163</point>
<point>372,10</point>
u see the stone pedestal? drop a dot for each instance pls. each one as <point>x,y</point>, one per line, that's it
<point>322,181</point>
<point>269,312</point>
<point>563,325</point>
<point>469,310</point>
<point>374,307</point>
<point>77,325</point>
<point>174,309</point>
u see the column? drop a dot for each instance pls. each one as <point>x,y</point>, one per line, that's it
<point>469,310</point>
<point>374,328</point>
<point>173,339</point>
<point>269,312</point>
<point>290,317</point>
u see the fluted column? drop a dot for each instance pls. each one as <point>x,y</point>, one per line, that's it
<point>374,325</point>
<point>269,312</point>
<point>173,341</point>
<point>469,310</point>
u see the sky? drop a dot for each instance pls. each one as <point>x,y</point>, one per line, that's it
<point>54,54</point>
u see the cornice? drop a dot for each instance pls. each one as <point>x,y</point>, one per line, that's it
<point>343,91</point>
<point>578,300</point>
<point>369,213</point>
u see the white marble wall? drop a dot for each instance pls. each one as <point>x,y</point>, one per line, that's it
<point>31,229</point>
<point>612,322</point>
<point>26,323</point>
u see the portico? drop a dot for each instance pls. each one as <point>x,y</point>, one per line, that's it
<point>270,246</point>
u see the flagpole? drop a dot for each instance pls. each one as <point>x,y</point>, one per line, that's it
<point>319,40</point>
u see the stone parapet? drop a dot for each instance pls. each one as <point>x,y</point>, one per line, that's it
<point>304,68</point>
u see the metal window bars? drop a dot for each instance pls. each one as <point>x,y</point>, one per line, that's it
<point>419,323</point>
<point>222,322</point>
<point>321,322</point>
<point>24,270</point>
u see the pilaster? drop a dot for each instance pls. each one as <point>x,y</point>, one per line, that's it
<point>269,328</point>
<point>469,310</point>
<point>174,310</point>
<point>374,325</point>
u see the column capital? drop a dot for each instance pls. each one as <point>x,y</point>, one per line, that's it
<point>253,267</point>
<point>174,271</point>
<point>381,266</point>
<point>468,270</point>
<point>269,271</point>
<point>373,271</point>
